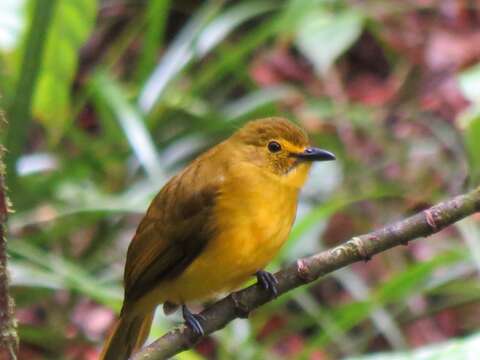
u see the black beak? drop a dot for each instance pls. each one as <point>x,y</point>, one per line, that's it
<point>315,154</point>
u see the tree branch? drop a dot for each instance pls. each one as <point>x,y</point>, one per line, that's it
<point>8,331</point>
<point>309,269</point>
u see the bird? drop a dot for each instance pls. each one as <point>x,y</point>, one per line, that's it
<point>213,226</point>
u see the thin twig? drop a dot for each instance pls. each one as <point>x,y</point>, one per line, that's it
<point>309,269</point>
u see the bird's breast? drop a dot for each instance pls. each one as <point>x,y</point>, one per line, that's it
<point>254,222</point>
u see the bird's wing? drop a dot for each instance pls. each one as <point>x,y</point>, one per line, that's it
<point>175,229</point>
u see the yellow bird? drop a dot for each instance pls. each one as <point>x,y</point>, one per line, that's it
<point>211,227</point>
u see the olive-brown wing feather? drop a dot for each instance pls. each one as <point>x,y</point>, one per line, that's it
<point>174,231</point>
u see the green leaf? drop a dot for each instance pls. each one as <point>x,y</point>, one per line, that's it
<point>414,277</point>
<point>203,32</point>
<point>62,272</point>
<point>466,289</point>
<point>176,57</point>
<point>156,14</point>
<point>131,121</point>
<point>255,100</point>
<point>330,207</point>
<point>348,315</point>
<point>469,81</point>
<point>470,123</point>
<point>72,23</point>
<point>323,36</point>
<point>27,61</point>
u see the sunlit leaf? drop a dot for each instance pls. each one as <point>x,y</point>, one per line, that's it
<point>71,25</point>
<point>65,273</point>
<point>201,34</point>
<point>255,100</point>
<point>131,121</point>
<point>323,36</point>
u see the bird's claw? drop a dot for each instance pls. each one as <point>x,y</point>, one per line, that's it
<point>268,281</point>
<point>193,321</point>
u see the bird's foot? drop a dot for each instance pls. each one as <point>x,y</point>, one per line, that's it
<point>267,281</point>
<point>193,321</point>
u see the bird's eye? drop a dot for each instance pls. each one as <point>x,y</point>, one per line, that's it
<point>274,146</point>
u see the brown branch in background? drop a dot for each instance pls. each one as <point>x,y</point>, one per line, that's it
<point>309,269</point>
<point>8,331</point>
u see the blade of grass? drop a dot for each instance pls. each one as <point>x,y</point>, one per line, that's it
<point>255,99</point>
<point>135,200</point>
<point>380,317</point>
<point>414,278</point>
<point>27,274</point>
<point>338,336</point>
<point>176,57</point>
<point>202,34</point>
<point>131,121</point>
<point>400,286</point>
<point>71,275</point>
<point>233,56</point>
<point>70,28</point>
<point>19,111</point>
<point>471,234</point>
<point>326,209</point>
<point>221,26</point>
<point>156,17</point>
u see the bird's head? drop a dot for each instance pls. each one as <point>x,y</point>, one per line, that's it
<point>279,148</point>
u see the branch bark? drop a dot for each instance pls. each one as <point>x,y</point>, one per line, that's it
<point>8,326</point>
<point>309,269</point>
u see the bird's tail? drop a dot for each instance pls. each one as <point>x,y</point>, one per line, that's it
<point>128,335</point>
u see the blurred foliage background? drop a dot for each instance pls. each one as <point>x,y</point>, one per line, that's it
<point>106,99</point>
